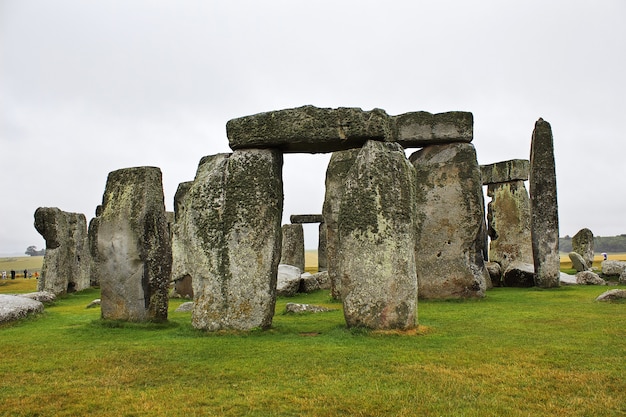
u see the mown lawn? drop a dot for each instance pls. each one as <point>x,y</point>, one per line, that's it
<point>519,352</point>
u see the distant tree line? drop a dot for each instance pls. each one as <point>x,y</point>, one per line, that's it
<point>600,244</point>
<point>32,251</point>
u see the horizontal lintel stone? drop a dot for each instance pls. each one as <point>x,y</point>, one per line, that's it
<point>306,218</point>
<point>310,129</point>
<point>506,171</point>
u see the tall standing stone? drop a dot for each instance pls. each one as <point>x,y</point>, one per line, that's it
<point>293,245</point>
<point>582,244</point>
<point>336,172</point>
<point>67,262</point>
<point>230,236</point>
<point>451,222</point>
<point>322,257</point>
<point>134,246</point>
<point>377,238</point>
<point>544,207</point>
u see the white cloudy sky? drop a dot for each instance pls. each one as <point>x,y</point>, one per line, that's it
<point>88,87</point>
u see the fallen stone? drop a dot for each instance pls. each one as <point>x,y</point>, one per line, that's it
<point>292,251</point>
<point>506,171</point>
<point>519,274</point>
<point>14,308</point>
<point>612,295</point>
<point>451,230</point>
<point>589,278</point>
<point>322,279</point>
<point>94,303</point>
<point>578,263</point>
<point>185,307</point>
<point>495,273</point>
<point>308,283</point>
<point>566,279</point>
<point>45,297</point>
<point>582,243</point>
<point>544,224</point>
<point>622,277</point>
<point>306,218</point>
<point>288,281</point>
<point>305,308</point>
<point>613,268</point>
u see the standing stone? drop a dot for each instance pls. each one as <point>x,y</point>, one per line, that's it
<point>582,244</point>
<point>293,245</point>
<point>134,246</point>
<point>67,261</point>
<point>92,238</point>
<point>508,217</point>
<point>336,172</point>
<point>578,263</point>
<point>544,207</point>
<point>322,257</point>
<point>451,222</point>
<point>230,239</point>
<point>377,240</point>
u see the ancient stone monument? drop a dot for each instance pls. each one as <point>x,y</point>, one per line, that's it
<point>133,246</point>
<point>508,212</point>
<point>293,246</point>
<point>582,244</point>
<point>543,207</point>
<point>377,224</point>
<point>451,227</point>
<point>67,260</point>
<point>228,238</point>
<point>321,245</point>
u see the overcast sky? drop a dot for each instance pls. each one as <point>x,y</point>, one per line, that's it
<point>88,87</point>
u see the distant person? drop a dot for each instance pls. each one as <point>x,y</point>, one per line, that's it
<point>36,275</point>
<point>604,255</point>
<point>26,273</point>
<point>4,274</point>
<point>12,274</point>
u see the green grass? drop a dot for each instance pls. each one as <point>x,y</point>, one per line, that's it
<point>519,352</point>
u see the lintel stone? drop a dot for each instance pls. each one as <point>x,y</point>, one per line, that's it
<point>306,218</point>
<point>419,129</point>
<point>506,171</point>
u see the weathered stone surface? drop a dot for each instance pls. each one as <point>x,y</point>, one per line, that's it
<point>578,263</point>
<point>306,218</point>
<point>377,239</point>
<point>305,308</point>
<point>45,297</point>
<point>14,308</point>
<point>179,198</point>
<point>508,223</point>
<point>322,256</point>
<point>519,274</point>
<point>582,243</point>
<point>185,307</point>
<point>419,129</point>
<point>308,129</point>
<point>612,295</point>
<point>288,281</point>
<point>67,261</point>
<point>451,227</point>
<point>622,277</point>
<point>336,172</point>
<point>92,239</point>
<point>506,171</point>
<point>589,278</point>
<point>228,238</point>
<point>183,287</point>
<point>134,246</point>
<point>613,268</point>
<point>293,245</point>
<point>323,280</point>
<point>566,279</point>
<point>308,283</point>
<point>544,208</point>
<point>495,273</point>
<point>95,303</point>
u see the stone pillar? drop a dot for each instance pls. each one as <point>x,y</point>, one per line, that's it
<point>451,222</point>
<point>582,244</point>
<point>293,246</point>
<point>338,167</point>
<point>508,214</point>
<point>544,207</point>
<point>376,239</point>
<point>67,262</point>
<point>322,258</point>
<point>231,235</point>
<point>134,246</point>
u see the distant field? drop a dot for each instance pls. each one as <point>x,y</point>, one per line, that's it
<point>20,263</point>
<point>597,259</point>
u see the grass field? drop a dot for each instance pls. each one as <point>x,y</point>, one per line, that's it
<point>518,352</point>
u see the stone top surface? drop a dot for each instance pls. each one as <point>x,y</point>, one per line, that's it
<point>306,218</point>
<point>310,129</point>
<point>506,171</point>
